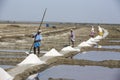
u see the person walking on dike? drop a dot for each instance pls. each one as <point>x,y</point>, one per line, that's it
<point>37,42</point>
<point>100,31</point>
<point>92,33</point>
<point>72,37</point>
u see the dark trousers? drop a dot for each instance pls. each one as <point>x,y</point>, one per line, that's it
<point>38,48</point>
<point>72,43</point>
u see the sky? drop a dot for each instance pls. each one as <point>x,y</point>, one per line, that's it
<point>78,11</point>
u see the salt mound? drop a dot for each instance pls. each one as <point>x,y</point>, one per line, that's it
<point>31,59</point>
<point>105,33</point>
<point>53,52</point>
<point>90,42</point>
<point>84,44</point>
<point>4,75</point>
<point>69,48</point>
<point>92,39</point>
<point>98,37</point>
<point>100,29</point>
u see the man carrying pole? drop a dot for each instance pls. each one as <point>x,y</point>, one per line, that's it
<point>37,38</point>
<point>37,42</point>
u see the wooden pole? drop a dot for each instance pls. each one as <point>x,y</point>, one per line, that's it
<point>37,30</point>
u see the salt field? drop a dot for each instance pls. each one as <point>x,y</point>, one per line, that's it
<point>110,47</point>
<point>72,61</point>
<point>98,55</point>
<point>114,41</point>
<point>6,66</point>
<point>80,73</point>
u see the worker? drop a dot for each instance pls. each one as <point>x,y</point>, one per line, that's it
<point>92,33</point>
<point>100,31</point>
<point>72,37</point>
<point>37,42</point>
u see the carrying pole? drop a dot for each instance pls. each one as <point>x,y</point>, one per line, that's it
<point>37,30</point>
<point>42,19</point>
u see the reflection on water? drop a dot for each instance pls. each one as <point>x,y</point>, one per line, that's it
<point>6,66</point>
<point>80,73</point>
<point>98,55</point>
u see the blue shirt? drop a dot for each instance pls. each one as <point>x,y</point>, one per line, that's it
<point>38,37</point>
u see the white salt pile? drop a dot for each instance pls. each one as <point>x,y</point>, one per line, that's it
<point>4,75</point>
<point>84,44</point>
<point>53,52</point>
<point>105,33</point>
<point>91,42</point>
<point>69,48</point>
<point>32,77</point>
<point>31,59</point>
<point>98,37</point>
<point>91,39</point>
<point>100,29</point>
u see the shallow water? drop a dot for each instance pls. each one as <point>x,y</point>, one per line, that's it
<point>24,51</point>
<point>12,56</point>
<point>114,41</point>
<point>12,50</point>
<point>110,47</point>
<point>80,73</point>
<point>6,66</point>
<point>98,55</point>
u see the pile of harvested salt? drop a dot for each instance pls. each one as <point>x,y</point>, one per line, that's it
<point>90,42</point>
<point>4,75</point>
<point>98,38</point>
<point>53,52</point>
<point>84,44</point>
<point>105,33</point>
<point>69,48</point>
<point>31,59</point>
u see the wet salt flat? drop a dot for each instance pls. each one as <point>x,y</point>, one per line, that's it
<point>98,55</point>
<point>6,66</point>
<point>80,73</point>
<point>111,47</point>
<point>12,56</point>
<point>114,41</point>
<point>24,51</point>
